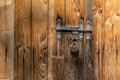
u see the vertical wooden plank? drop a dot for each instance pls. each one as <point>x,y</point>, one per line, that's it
<point>82,15</point>
<point>3,56</point>
<point>27,39</point>
<point>52,28</point>
<point>74,65</point>
<point>7,39</point>
<point>117,30</point>
<point>111,39</point>
<point>82,8</point>
<point>39,38</point>
<point>22,39</point>
<point>72,12</point>
<point>88,11</point>
<point>88,43</point>
<point>55,60</point>
<point>97,17</point>
<point>11,11</point>
<point>107,37</point>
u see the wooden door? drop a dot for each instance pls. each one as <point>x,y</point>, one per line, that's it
<point>38,56</point>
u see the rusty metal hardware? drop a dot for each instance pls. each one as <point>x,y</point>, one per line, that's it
<point>74,30</point>
<point>58,26</point>
<point>80,29</point>
<point>88,27</point>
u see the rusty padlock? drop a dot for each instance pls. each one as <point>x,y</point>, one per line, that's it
<point>74,48</point>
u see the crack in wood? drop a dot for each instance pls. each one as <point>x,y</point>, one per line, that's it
<point>6,54</point>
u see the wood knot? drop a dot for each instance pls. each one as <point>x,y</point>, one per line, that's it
<point>45,1</point>
<point>118,14</point>
<point>100,11</point>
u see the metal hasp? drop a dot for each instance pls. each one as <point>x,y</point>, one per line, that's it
<point>80,29</point>
<point>74,30</point>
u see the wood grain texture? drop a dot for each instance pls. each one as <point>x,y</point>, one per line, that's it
<point>39,38</point>
<point>57,70</point>
<point>82,8</point>
<point>52,28</point>
<point>97,26</point>
<point>72,12</point>
<point>22,39</point>
<point>6,39</point>
<point>111,39</point>
<point>88,45</point>
<point>3,56</point>
<point>74,66</point>
<point>105,23</point>
<point>55,61</point>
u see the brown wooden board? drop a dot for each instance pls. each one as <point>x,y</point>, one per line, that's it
<point>55,60</point>
<point>22,39</point>
<point>39,38</point>
<point>111,52</point>
<point>3,54</point>
<point>6,39</point>
<point>97,7</point>
<point>105,17</point>
<point>88,46</point>
<point>74,66</point>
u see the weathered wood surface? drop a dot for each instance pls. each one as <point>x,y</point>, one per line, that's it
<point>88,44</point>
<point>36,56</point>
<point>3,56</point>
<point>97,26</point>
<point>55,60</point>
<point>82,8</point>
<point>111,27</point>
<point>39,38</point>
<point>22,39</point>
<point>74,66</point>
<point>106,36</point>
<point>6,39</point>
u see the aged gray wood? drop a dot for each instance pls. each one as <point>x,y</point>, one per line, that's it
<point>7,39</point>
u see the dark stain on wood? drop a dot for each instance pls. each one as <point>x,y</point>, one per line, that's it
<point>116,55</point>
<point>98,53</point>
<point>116,49</point>
<point>6,54</point>
<point>103,48</point>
